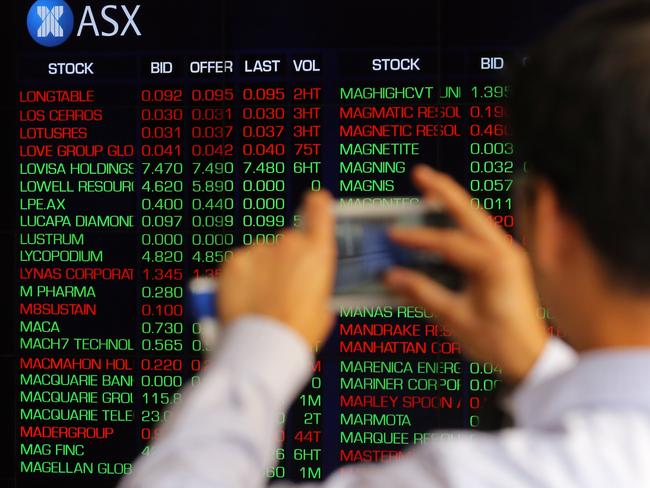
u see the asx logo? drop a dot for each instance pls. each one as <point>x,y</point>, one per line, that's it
<point>50,22</point>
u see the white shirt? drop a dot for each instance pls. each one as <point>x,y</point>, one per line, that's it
<point>579,421</point>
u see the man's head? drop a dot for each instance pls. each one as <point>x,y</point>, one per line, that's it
<point>581,116</point>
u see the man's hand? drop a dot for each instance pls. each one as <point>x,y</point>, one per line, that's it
<point>494,316</point>
<point>290,281</point>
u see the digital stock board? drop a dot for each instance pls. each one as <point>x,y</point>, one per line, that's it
<point>149,139</point>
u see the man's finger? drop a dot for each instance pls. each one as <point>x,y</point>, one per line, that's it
<point>421,289</point>
<point>454,246</point>
<point>442,187</point>
<point>318,216</point>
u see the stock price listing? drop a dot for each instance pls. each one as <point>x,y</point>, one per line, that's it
<point>154,138</point>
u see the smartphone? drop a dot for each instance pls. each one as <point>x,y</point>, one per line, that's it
<point>366,252</point>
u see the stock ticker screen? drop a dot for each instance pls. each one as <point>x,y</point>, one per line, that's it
<point>148,139</point>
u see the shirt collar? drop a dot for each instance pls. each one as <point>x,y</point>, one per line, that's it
<point>610,379</point>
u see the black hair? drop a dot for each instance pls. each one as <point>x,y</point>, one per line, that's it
<point>580,112</point>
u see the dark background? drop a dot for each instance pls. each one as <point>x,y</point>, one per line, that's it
<point>221,26</point>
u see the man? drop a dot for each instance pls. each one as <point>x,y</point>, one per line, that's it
<point>581,111</point>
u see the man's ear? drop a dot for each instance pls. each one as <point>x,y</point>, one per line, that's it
<point>549,227</point>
